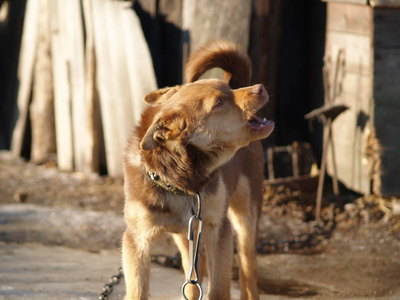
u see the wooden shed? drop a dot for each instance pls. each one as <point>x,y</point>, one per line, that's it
<point>367,138</point>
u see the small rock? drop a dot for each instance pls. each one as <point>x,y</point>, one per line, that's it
<point>20,196</point>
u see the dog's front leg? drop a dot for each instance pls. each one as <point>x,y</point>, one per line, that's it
<point>136,265</point>
<point>219,249</point>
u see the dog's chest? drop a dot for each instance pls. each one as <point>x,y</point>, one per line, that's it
<point>178,211</point>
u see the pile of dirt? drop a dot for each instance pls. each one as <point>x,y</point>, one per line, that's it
<point>24,182</point>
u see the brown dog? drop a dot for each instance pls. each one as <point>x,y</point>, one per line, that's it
<point>198,137</point>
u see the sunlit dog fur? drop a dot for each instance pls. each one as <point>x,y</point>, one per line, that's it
<point>202,136</point>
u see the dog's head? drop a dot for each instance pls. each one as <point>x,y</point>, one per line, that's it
<point>208,115</point>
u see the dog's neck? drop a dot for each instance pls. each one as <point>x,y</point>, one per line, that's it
<point>186,172</point>
<point>155,178</point>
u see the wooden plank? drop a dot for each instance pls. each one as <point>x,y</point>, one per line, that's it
<point>385,3</point>
<point>387,127</point>
<point>387,89</point>
<point>387,60</point>
<point>172,10</point>
<point>138,60</point>
<point>356,91</point>
<point>359,2</point>
<point>62,86</point>
<point>74,42</point>
<point>42,107</point>
<point>124,75</point>
<point>208,19</point>
<point>387,124</point>
<point>349,18</point>
<point>69,85</point>
<point>386,96</point>
<point>170,35</point>
<point>119,67</point>
<point>386,27</point>
<point>107,88</point>
<point>357,51</point>
<point>264,52</point>
<point>350,141</point>
<point>92,154</point>
<point>25,73</point>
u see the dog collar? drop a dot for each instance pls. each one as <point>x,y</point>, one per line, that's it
<point>155,178</point>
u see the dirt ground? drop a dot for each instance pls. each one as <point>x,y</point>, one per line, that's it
<point>357,254</point>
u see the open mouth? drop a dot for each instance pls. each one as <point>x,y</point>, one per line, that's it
<point>258,123</point>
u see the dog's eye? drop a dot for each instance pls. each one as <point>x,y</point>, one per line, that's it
<point>219,102</point>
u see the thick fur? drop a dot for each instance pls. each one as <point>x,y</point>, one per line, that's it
<point>198,137</point>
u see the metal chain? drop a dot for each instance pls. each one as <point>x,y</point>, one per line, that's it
<point>310,240</point>
<point>194,250</point>
<point>167,261</point>
<point>108,287</point>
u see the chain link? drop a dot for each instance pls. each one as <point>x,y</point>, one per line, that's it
<point>303,241</point>
<point>174,262</point>
<point>108,287</point>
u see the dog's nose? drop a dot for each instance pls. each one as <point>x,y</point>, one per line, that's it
<point>260,90</point>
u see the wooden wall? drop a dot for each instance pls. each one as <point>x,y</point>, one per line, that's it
<point>366,136</point>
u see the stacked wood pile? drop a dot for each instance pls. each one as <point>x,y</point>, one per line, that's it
<point>366,136</point>
<point>85,66</point>
<point>83,71</point>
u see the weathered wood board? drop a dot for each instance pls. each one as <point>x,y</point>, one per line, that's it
<point>361,2</point>
<point>74,34</point>
<point>25,73</point>
<point>386,94</point>
<point>357,50</point>
<point>92,153</point>
<point>42,107</point>
<point>349,19</point>
<point>68,70</point>
<point>141,78</point>
<point>123,75</point>
<point>208,19</point>
<point>385,3</point>
<point>107,88</point>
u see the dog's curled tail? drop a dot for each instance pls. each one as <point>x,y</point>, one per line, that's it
<point>228,56</point>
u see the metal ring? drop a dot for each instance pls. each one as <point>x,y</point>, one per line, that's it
<point>192,282</point>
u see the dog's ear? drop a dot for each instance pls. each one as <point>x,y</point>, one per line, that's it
<point>153,137</point>
<point>161,132</point>
<point>159,96</point>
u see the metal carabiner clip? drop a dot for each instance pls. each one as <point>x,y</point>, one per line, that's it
<point>194,251</point>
